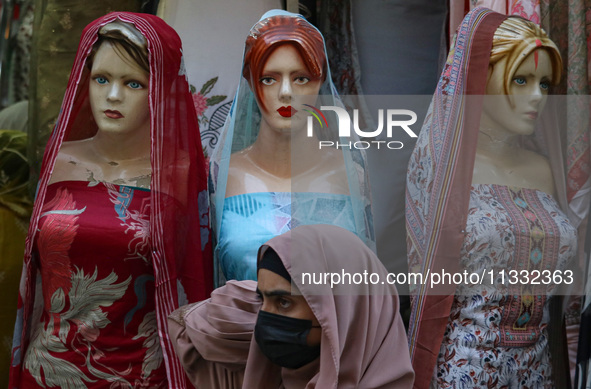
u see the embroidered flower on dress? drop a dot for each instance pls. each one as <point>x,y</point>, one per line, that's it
<point>200,103</point>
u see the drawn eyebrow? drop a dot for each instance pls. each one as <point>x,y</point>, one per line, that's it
<point>526,75</point>
<point>100,72</point>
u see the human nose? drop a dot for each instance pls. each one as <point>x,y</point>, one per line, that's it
<point>285,90</point>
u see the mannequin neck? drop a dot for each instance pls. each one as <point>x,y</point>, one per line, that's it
<point>497,141</point>
<point>120,146</point>
<point>272,151</point>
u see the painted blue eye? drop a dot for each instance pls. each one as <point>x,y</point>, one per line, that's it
<point>101,80</point>
<point>545,85</point>
<point>519,80</point>
<point>135,85</point>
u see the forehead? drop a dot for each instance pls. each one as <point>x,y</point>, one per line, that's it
<point>267,280</point>
<point>113,57</point>
<point>537,62</point>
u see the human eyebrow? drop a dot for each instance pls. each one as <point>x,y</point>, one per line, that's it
<point>273,293</point>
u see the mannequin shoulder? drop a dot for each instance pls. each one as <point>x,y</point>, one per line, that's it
<point>523,168</point>
<point>536,163</point>
<point>72,162</point>
<point>246,177</point>
<point>333,159</point>
<point>240,167</point>
<point>329,175</point>
<point>537,172</point>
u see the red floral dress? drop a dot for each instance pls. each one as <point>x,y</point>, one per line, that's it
<point>98,324</point>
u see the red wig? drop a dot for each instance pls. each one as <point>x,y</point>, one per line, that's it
<point>270,33</point>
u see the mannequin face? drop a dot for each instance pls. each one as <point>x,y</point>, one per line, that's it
<point>528,92</point>
<point>286,84</point>
<point>118,93</point>
<point>278,299</point>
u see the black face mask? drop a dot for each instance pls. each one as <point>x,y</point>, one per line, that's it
<point>282,339</point>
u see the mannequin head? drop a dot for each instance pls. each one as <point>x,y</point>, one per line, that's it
<point>119,79</point>
<point>513,41</point>
<point>269,34</point>
<point>126,39</point>
<point>524,62</point>
<point>285,85</point>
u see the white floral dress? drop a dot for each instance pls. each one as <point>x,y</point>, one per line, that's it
<point>496,335</point>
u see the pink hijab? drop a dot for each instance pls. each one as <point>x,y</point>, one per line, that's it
<point>363,341</point>
<point>212,337</point>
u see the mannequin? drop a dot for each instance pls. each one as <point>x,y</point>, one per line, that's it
<point>120,151</point>
<point>118,237</point>
<point>268,174</point>
<point>500,159</point>
<point>266,165</point>
<point>509,210</point>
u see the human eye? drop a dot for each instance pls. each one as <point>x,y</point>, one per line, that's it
<point>100,80</point>
<point>259,295</point>
<point>519,80</point>
<point>284,303</point>
<point>267,80</point>
<point>135,85</point>
<point>301,80</point>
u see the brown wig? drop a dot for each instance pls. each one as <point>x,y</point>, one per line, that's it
<point>119,35</point>
<point>272,32</point>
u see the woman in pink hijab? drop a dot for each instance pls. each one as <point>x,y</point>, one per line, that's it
<point>307,334</point>
<point>355,329</point>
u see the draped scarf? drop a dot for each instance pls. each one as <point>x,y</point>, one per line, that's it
<point>240,131</point>
<point>179,233</point>
<point>440,175</point>
<point>363,342</point>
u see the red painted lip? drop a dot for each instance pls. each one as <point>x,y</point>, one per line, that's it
<point>287,112</point>
<point>532,115</point>
<point>113,114</point>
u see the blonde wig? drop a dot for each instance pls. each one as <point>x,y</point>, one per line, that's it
<point>514,40</point>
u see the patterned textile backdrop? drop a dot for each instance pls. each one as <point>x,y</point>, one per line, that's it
<point>213,35</point>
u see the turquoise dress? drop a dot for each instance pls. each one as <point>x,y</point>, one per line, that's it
<point>251,219</point>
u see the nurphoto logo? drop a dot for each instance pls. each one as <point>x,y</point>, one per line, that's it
<point>395,118</point>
